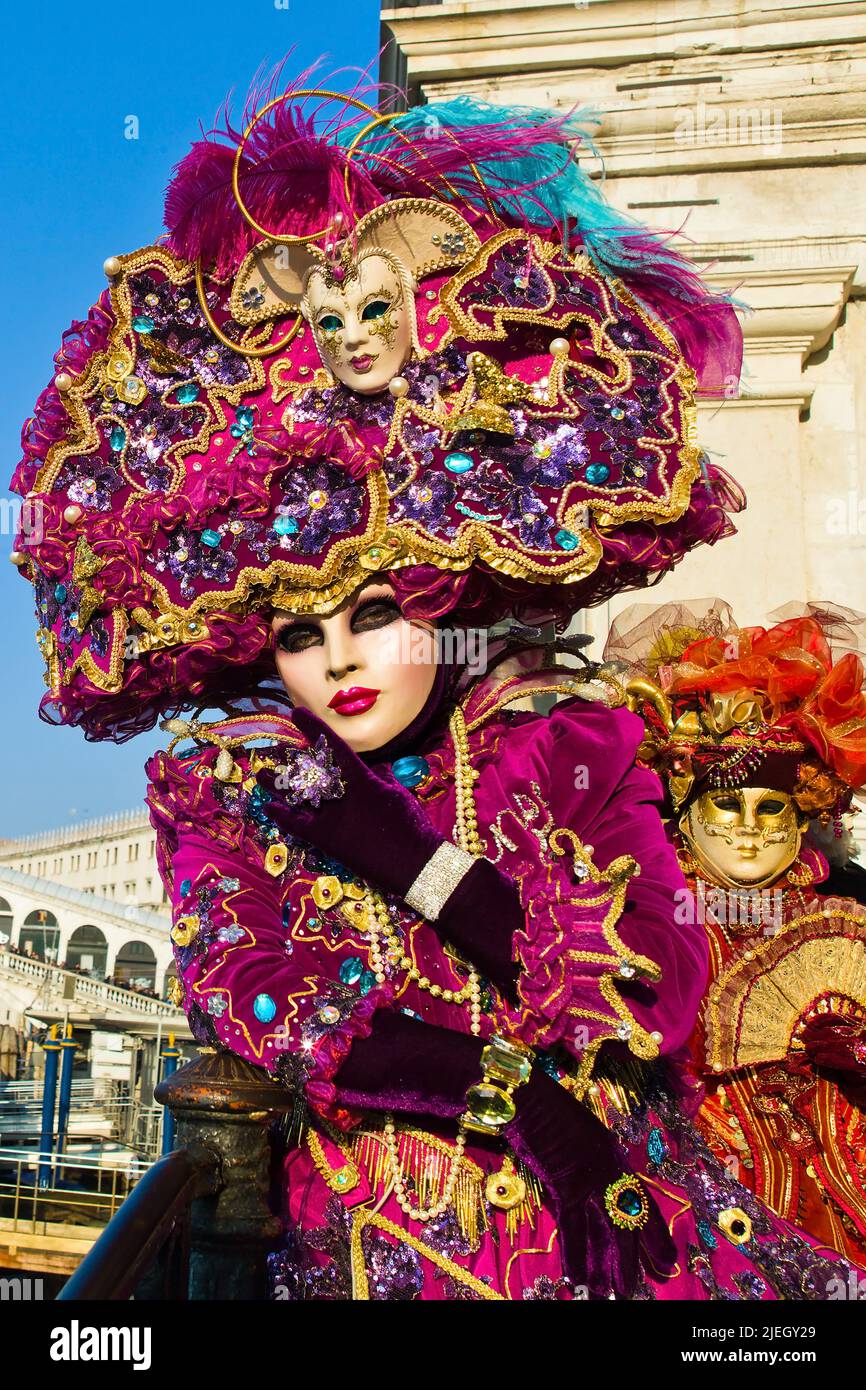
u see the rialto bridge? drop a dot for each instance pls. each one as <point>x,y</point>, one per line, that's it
<point>65,953</point>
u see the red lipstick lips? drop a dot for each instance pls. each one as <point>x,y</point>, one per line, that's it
<point>355,700</point>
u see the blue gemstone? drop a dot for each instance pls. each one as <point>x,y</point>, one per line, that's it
<point>185,887</point>
<point>597,473</point>
<point>188,393</point>
<point>655,1145</point>
<point>459,463</point>
<point>548,1064</point>
<point>117,438</point>
<point>618,413</point>
<point>264,1008</point>
<point>312,921</point>
<point>245,417</point>
<point>366,982</point>
<point>351,970</point>
<point>567,540</point>
<point>143,323</point>
<point>629,1202</point>
<point>410,770</point>
<point>211,538</point>
<point>286,526</point>
<point>60,592</point>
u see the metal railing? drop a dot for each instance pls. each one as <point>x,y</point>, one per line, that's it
<point>80,1186</point>
<point>29,1089</point>
<point>85,990</point>
<point>101,1107</point>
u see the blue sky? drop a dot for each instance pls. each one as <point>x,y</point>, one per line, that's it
<point>75,191</point>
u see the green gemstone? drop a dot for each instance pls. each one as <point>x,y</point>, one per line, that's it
<point>489,1105</point>
<point>511,1065</point>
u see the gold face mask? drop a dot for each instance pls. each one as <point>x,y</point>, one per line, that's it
<point>363,327</point>
<point>744,838</point>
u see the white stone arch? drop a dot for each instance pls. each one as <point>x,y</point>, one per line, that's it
<point>87,946</point>
<point>7,922</point>
<point>135,960</point>
<point>41,930</point>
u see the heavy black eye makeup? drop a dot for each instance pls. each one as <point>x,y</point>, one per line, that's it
<point>376,610</point>
<point>296,637</point>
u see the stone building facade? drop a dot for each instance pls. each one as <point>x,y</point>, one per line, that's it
<point>112,858</point>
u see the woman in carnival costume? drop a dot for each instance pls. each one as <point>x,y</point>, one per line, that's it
<point>757,734</point>
<point>373,390</point>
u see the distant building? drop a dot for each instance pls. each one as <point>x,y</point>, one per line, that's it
<point>113,857</point>
<point>84,926</point>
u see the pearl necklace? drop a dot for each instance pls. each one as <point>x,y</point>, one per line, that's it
<point>466,827</point>
<point>379,927</point>
<point>389,1135</point>
<point>464,777</point>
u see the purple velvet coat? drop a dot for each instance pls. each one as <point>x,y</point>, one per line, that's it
<point>610,969</point>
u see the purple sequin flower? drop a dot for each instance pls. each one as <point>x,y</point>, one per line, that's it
<point>311,775</point>
<point>325,407</point>
<point>165,303</point>
<point>631,337</point>
<point>531,517</point>
<point>90,482</point>
<point>426,499</point>
<point>151,428</point>
<point>517,280</point>
<point>615,415</point>
<point>188,556</point>
<point>318,502</point>
<point>211,362</point>
<point>544,457</point>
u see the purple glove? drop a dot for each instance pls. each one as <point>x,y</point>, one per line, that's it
<point>576,1159</point>
<point>837,1044</point>
<point>366,820</point>
<point>415,1068</point>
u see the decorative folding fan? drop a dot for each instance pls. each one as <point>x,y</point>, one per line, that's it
<point>755,1006</point>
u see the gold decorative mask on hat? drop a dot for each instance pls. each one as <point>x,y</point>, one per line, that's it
<point>363,325</point>
<point>358,295</point>
<point>743,838</point>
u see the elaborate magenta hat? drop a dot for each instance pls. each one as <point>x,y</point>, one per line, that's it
<point>421,345</point>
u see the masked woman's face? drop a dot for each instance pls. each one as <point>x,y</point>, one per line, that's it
<point>365,670</point>
<point>746,837</point>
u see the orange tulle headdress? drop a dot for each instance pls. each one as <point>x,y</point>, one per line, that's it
<point>728,706</point>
